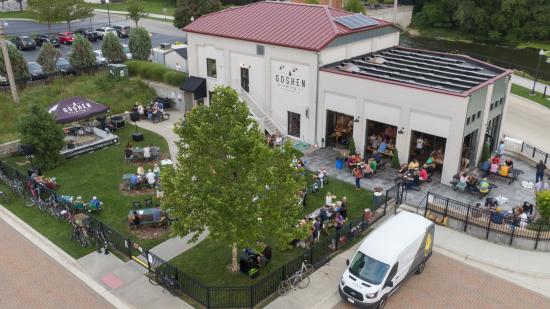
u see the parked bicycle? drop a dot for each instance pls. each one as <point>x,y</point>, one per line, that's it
<point>299,279</point>
<point>80,235</point>
<point>167,281</point>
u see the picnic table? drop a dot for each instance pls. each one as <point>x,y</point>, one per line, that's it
<point>149,216</point>
<point>126,177</point>
<point>513,174</point>
<point>138,153</point>
<point>317,212</point>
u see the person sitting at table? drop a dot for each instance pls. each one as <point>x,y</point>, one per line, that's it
<point>264,257</point>
<point>462,182</point>
<point>94,204</point>
<point>140,170</point>
<point>494,168</point>
<point>471,183</point>
<point>496,160</point>
<point>141,111</point>
<point>136,219</point>
<point>484,187</point>
<point>151,178</point>
<point>373,165</point>
<point>367,170</point>
<point>344,207</point>
<point>134,181</point>
<point>497,217</point>
<point>413,181</point>
<point>328,199</point>
<point>383,146</point>
<point>430,165</point>
<point>486,167</point>
<point>403,168</point>
<point>147,152</point>
<point>509,163</point>
<point>79,204</point>
<point>414,165</point>
<point>128,154</point>
<point>377,156</point>
<point>423,175</point>
<point>156,169</point>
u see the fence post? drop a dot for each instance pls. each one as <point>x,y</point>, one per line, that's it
<point>385,206</point>
<point>546,159</point>
<point>513,231</point>
<point>522,143</point>
<point>337,239</point>
<point>129,248</point>
<point>148,263</point>
<point>534,150</point>
<point>446,207</point>
<point>251,296</point>
<point>538,237</point>
<point>311,255</point>
<point>467,216</point>
<point>350,234</point>
<point>207,297</point>
<point>489,225</point>
<point>426,208</point>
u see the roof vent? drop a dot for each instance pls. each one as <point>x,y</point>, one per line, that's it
<point>377,60</point>
<point>349,67</point>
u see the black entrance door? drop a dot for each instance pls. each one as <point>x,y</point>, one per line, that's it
<point>245,79</point>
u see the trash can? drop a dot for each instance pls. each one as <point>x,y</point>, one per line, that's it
<point>339,163</point>
<point>118,71</point>
<point>377,197</point>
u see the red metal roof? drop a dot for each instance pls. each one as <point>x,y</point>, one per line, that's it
<point>303,26</point>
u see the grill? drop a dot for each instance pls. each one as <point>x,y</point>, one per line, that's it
<point>353,293</point>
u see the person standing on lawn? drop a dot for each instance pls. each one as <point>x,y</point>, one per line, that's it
<point>358,175</point>
<point>540,171</point>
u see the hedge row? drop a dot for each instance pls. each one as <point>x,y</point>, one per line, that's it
<point>156,72</point>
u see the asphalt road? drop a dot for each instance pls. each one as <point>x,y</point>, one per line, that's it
<point>162,32</point>
<point>447,283</point>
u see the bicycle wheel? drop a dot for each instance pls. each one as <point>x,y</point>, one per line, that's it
<point>310,269</point>
<point>153,279</point>
<point>284,288</point>
<point>29,202</point>
<point>303,281</point>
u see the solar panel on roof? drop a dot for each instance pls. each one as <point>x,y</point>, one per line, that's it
<point>356,21</point>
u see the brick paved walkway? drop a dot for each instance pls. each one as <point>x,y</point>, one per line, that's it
<point>447,283</point>
<point>29,278</point>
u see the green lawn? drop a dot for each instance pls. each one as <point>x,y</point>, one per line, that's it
<point>119,95</point>
<point>524,92</point>
<point>151,6</point>
<point>56,231</point>
<point>99,173</point>
<point>17,14</point>
<point>208,260</point>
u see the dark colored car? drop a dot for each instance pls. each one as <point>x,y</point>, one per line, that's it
<point>65,37</point>
<point>90,35</point>
<point>44,38</point>
<point>64,66</point>
<point>24,42</point>
<point>122,31</point>
<point>35,71</point>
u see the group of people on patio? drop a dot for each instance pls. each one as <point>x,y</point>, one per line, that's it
<point>153,110</point>
<point>140,178</point>
<point>92,206</point>
<point>384,144</point>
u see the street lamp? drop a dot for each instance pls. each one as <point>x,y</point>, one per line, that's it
<point>7,61</point>
<point>108,12</point>
<point>541,54</point>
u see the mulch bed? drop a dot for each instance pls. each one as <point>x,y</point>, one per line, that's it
<point>123,188</point>
<point>149,232</point>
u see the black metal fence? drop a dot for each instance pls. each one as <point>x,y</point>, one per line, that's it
<point>213,296</point>
<point>486,222</point>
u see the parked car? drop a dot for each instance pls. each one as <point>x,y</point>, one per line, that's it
<point>122,31</point>
<point>99,59</point>
<point>65,37</point>
<point>3,81</point>
<point>24,42</point>
<point>63,66</point>
<point>102,31</point>
<point>45,38</point>
<point>35,71</point>
<point>127,52</point>
<point>90,35</point>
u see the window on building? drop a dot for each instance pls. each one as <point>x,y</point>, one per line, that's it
<point>492,105</point>
<point>468,121</point>
<point>294,124</point>
<point>479,114</point>
<point>211,68</point>
<point>501,101</point>
<point>473,117</point>
<point>244,79</point>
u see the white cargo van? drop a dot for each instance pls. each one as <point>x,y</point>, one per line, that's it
<point>398,248</point>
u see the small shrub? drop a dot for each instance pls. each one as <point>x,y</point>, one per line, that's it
<point>395,160</point>
<point>351,146</point>
<point>174,78</point>
<point>156,72</point>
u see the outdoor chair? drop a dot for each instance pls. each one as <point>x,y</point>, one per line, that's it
<point>148,203</point>
<point>136,205</point>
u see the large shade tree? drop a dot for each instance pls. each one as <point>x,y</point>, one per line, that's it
<point>112,49</point>
<point>356,6</point>
<point>139,43</point>
<point>82,58</point>
<point>46,11</point>
<point>136,10</point>
<point>48,57</point>
<point>70,10</point>
<point>18,65</point>
<point>229,181</point>
<point>38,128</point>
<point>185,9</point>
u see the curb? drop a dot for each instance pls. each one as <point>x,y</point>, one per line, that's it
<point>58,255</point>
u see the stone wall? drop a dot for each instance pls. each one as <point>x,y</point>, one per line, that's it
<point>9,148</point>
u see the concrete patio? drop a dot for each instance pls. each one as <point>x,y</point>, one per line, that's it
<point>515,193</point>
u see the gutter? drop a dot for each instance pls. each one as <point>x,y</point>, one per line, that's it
<point>317,99</point>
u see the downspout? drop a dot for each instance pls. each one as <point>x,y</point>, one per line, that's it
<point>317,101</point>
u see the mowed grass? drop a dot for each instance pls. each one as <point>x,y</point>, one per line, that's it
<point>208,261</point>
<point>56,231</point>
<point>99,173</point>
<point>524,92</point>
<point>150,6</point>
<point>119,95</point>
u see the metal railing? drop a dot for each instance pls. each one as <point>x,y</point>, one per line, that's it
<point>531,152</point>
<point>485,222</point>
<point>228,297</point>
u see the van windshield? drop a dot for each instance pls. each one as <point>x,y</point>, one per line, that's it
<point>368,269</point>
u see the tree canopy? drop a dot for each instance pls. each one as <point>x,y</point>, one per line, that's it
<point>136,10</point>
<point>18,65</point>
<point>70,10</point>
<point>139,43</point>
<point>82,57</point>
<point>112,49</point>
<point>229,181</point>
<point>38,128</point>
<point>356,6</point>
<point>48,57</point>
<point>512,20</point>
<point>185,9</point>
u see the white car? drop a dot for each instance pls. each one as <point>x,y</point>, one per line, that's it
<point>99,59</point>
<point>102,31</point>
<point>127,51</point>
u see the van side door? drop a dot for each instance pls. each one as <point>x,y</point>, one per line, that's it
<point>390,283</point>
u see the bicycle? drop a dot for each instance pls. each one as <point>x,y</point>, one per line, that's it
<point>300,279</point>
<point>80,235</point>
<point>168,282</point>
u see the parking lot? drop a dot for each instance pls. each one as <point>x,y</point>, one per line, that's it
<point>447,283</point>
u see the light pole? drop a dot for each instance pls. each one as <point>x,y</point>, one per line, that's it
<point>541,54</point>
<point>7,62</point>
<point>108,12</point>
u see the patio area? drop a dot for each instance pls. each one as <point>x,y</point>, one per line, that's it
<point>515,193</point>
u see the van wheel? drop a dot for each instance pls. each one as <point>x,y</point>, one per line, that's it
<point>421,268</point>
<point>382,302</point>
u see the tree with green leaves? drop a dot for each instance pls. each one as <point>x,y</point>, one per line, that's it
<point>395,160</point>
<point>351,146</point>
<point>46,11</point>
<point>38,128</point>
<point>139,43</point>
<point>187,9</point>
<point>356,6</point>
<point>112,49</point>
<point>82,57</point>
<point>74,9</point>
<point>136,10</point>
<point>48,57</point>
<point>485,152</point>
<point>311,1</point>
<point>229,181</point>
<point>543,205</point>
<point>18,65</point>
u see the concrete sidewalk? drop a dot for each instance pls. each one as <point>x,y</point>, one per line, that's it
<point>528,269</point>
<point>528,83</point>
<point>167,17</point>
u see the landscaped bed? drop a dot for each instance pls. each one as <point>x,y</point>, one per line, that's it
<point>209,260</point>
<point>99,173</point>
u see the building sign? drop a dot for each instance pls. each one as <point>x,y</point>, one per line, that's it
<point>290,78</point>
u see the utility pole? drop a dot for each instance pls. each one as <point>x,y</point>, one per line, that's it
<point>395,11</point>
<point>7,62</point>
